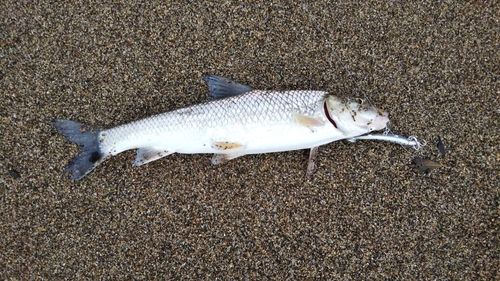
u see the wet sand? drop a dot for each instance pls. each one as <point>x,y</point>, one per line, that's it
<point>364,214</point>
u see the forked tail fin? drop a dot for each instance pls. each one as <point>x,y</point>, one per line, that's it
<point>91,154</point>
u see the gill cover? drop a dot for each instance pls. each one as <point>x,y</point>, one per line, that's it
<point>354,117</point>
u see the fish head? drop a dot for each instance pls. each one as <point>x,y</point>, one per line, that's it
<point>354,117</point>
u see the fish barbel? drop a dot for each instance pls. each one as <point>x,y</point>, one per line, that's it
<point>238,121</point>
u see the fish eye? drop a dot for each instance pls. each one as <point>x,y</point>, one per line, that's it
<point>359,100</point>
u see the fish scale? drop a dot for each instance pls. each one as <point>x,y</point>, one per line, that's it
<point>235,115</point>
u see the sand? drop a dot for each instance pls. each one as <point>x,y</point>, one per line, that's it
<point>364,214</point>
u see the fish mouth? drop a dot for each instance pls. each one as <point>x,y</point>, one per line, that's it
<point>380,121</point>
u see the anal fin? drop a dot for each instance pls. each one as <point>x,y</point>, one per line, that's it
<point>223,158</point>
<point>148,154</point>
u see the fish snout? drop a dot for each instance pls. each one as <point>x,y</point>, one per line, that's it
<point>380,121</point>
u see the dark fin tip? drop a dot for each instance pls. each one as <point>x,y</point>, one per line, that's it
<point>95,157</point>
<point>91,154</point>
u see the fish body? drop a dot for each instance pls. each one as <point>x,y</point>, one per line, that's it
<point>237,122</point>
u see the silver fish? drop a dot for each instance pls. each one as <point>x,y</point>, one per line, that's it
<point>238,121</point>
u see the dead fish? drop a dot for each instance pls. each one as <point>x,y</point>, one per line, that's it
<point>422,165</point>
<point>440,147</point>
<point>238,121</point>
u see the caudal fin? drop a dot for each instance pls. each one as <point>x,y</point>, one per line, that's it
<point>91,154</point>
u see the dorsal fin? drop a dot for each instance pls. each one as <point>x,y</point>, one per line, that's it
<point>220,87</point>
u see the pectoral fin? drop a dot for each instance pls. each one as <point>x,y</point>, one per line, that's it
<point>312,156</point>
<point>223,158</point>
<point>308,121</point>
<point>148,154</point>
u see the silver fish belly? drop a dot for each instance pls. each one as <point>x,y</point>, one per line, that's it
<point>239,121</point>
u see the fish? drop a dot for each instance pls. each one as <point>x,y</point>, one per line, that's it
<point>423,165</point>
<point>440,147</point>
<point>237,121</point>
